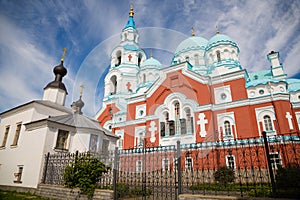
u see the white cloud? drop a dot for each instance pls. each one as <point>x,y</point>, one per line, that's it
<point>24,67</point>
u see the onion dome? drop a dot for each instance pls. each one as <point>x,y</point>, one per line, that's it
<point>151,62</point>
<point>79,104</point>
<point>192,43</point>
<point>220,39</point>
<point>59,71</point>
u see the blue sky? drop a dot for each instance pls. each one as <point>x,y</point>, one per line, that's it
<point>34,32</point>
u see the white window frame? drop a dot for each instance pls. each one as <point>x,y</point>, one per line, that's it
<point>138,166</point>
<point>274,160</point>
<point>227,161</point>
<point>188,165</point>
<point>165,164</point>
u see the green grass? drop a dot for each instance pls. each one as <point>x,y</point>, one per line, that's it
<point>12,195</point>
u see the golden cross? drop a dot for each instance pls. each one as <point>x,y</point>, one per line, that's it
<point>63,56</point>
<point>217,29</point>
<point>81,89</point>
<point>193,31</point>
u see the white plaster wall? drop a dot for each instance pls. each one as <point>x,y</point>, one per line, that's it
<point>55,95</point>
<point>28,152</point>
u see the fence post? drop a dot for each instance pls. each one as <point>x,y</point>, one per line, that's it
<point>115,170</point>
<point>179,167</point>
<point>269,163</point>
<point>45,167</point>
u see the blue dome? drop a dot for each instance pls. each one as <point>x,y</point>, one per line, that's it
<point>219,39</point>
<point>192,43</point>
<point>151,62</point>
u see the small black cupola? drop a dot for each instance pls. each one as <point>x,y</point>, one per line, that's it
<point>60,71</point>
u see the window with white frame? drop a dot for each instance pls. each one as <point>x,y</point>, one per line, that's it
<point>139,166</point>
<point>275,160</point>
<point>140,139</point>
<point>230,161</point>
<point>188,163</point>
<point>165,164</point>
<point>265,117</point>
<point>17,134</point>
<point>177,118</point>
<point>5,136</point>
<point>227,129</point>
<point>18,175</point>
<point>227,126</point>
<point>181,125</point>
<point>268,124</point>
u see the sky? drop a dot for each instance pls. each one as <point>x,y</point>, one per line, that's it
<point>33,34</point>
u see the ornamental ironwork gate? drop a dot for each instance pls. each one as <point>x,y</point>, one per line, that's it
<point>148,173</point>
<point>164,172</point>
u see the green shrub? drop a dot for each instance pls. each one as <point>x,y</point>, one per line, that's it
<point>287,178</point>
<point>224,175</point>
<point>84,173</point>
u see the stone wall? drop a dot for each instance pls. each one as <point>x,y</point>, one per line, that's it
<point>208,197</point>
<point>59,192</point>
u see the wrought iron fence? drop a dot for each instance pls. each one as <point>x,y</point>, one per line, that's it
<point>233,167</point>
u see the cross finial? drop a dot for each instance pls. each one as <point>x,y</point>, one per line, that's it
<point>193,31</point>
<point>217,29</point>
<point>81,89</point>
<point>64,53</point>
<point>151,53</point>
<point>131,13</point>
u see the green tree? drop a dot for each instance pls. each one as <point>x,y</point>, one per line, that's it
<point>84,173</point>
<point>224,175</point>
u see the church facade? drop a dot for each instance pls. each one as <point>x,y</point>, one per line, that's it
<point>204,95</point>
<point>29,131</point>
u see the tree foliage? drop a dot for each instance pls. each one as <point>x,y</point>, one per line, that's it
<point>224,175</point>
<point>84,173</point>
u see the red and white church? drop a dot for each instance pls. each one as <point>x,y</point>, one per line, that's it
<point>204,95</point>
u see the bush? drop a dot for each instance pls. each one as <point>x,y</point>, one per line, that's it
<point>84,173</point>
<point>287,178</point>
<point>224,175</point>
<point>288,182</point>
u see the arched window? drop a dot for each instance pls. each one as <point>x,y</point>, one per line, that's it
<point>227,128</point>
<point>140,59</point>
<point>187,58</point>
<point>113,81</point>
<point>140,142</point>
<point>119,56</point>
<point>177,117</point>
<point>268,123</point>
<point>189,121</point>
<point>218,56</point>
<point>164,125</point>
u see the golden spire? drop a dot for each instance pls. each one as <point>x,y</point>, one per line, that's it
<point>63,56</point>
<point>81,89</point>
<point>217,29</point>
<point>131,13</point>
<point>150,53</point>
<point>193,31</point>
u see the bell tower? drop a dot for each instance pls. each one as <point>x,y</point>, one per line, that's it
<point>126,60</point>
